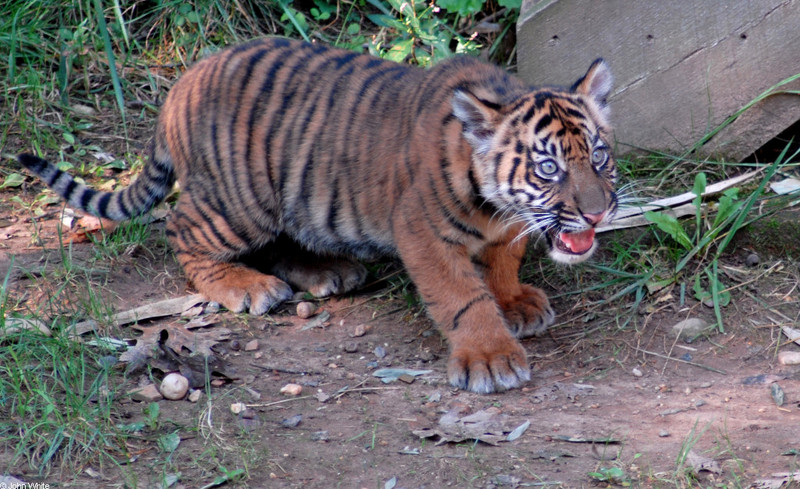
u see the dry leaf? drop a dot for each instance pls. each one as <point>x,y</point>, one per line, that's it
<point>699,463</point>
<point>88,226</point>
<point>488,425</point>
<point>177,337</point>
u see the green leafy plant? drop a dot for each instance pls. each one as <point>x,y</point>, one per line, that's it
<point>614,475</point>
<point>711,236</point>
<point>420,34</point>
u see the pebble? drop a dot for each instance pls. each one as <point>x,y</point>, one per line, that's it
<point>351,347</point>
<point>306,309</point>
<point>238,407</point>
<point>379,351</point>
<point>319,436</point>
<point>689,329</point>
<point>361,330</point>
<point>292,422</point>
<point>251,345</point>
<point>789,357</point>
<point>194,396</point>
<point>663,433</point>
<point>752,260</point>
<point>147,393</point>
<point>235,345</point>
<point>174,386</point>
<point>636,372</point>
<point>292,389</point>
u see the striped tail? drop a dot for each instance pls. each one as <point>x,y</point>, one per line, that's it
<point>150,188</point>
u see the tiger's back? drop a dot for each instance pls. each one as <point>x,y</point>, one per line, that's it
<point>318,155</point>
<point>322,141</point>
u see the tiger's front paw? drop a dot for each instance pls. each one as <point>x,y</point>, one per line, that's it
<point>528,314</point>
<point>488,366</point>
<point>241,288</point>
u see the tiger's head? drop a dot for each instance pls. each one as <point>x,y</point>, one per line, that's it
<point>544,159</point>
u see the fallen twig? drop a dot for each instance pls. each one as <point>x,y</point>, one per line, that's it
<point>166,307</point>
<point>679,205</point>
<point>667,357</point>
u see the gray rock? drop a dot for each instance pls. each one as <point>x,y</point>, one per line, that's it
<point>689,329</point>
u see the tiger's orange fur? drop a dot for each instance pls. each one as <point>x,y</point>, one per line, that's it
<point>319,156</point>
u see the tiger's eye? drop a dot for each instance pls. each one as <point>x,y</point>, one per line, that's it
<point>548,167</point>
<point>598,156</point>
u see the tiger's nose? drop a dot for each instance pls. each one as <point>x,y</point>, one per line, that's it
<point>594,219</point>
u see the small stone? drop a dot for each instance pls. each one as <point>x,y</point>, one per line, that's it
<point>238,407</point>
<point>174,386</point>
<point>789,358</point>
<point>361,330</point>
<point>319,436</point>
<point>147,393</point>
<point>194,396</point>
<point>107,361</point>
<point>752,260</point>
<point>663,433</point>
<point>251,345</point>
<point>292,389</point>
<point>292,422</point>
<point>254,394</point>
<point>636,372</point>
<point>689,329</point>
<point>777,394</point>
<point>408,379</point>
<point>351,347</point>
<point>427,355</point>
<point>379,351</point>
<point>306,309</point>
<point>235,345</point>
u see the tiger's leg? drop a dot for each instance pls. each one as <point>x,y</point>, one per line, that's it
<point>484,356</point>
<point>525,307</point>
<point>206,248</point>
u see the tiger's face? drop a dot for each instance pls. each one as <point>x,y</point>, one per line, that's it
<point>545,161</point>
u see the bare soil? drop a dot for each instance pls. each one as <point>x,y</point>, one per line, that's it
<point>602,397</point>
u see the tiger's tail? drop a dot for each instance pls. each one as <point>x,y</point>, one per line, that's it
<point>150,188</point>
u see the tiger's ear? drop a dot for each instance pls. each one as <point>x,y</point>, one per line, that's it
<point>596,83</point>
<point>479,117</point>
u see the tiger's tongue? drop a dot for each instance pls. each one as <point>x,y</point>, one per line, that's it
<point>578,242</point>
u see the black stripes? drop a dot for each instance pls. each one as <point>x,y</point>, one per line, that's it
<point>32,163</point>
<point>476,300</point>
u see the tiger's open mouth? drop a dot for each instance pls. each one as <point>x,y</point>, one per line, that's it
<point>574,243</point>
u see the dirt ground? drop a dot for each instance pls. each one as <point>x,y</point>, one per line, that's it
<point>607,405</point>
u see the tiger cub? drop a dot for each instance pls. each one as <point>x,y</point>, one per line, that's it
<point>321,156</point>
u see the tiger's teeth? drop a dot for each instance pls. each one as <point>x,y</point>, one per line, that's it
<point>578,242</point>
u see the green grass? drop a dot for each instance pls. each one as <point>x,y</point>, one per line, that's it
<point>56,403</point>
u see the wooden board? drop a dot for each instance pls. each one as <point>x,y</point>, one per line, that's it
<point>680,68</point>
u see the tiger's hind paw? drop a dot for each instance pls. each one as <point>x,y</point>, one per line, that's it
<point>492,368</point>
<point>323,278</point>
<point>528,314</point>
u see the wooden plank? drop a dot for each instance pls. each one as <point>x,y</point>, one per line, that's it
<point>681,68</point>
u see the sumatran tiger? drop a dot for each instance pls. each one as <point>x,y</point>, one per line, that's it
<point>322,156</point>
